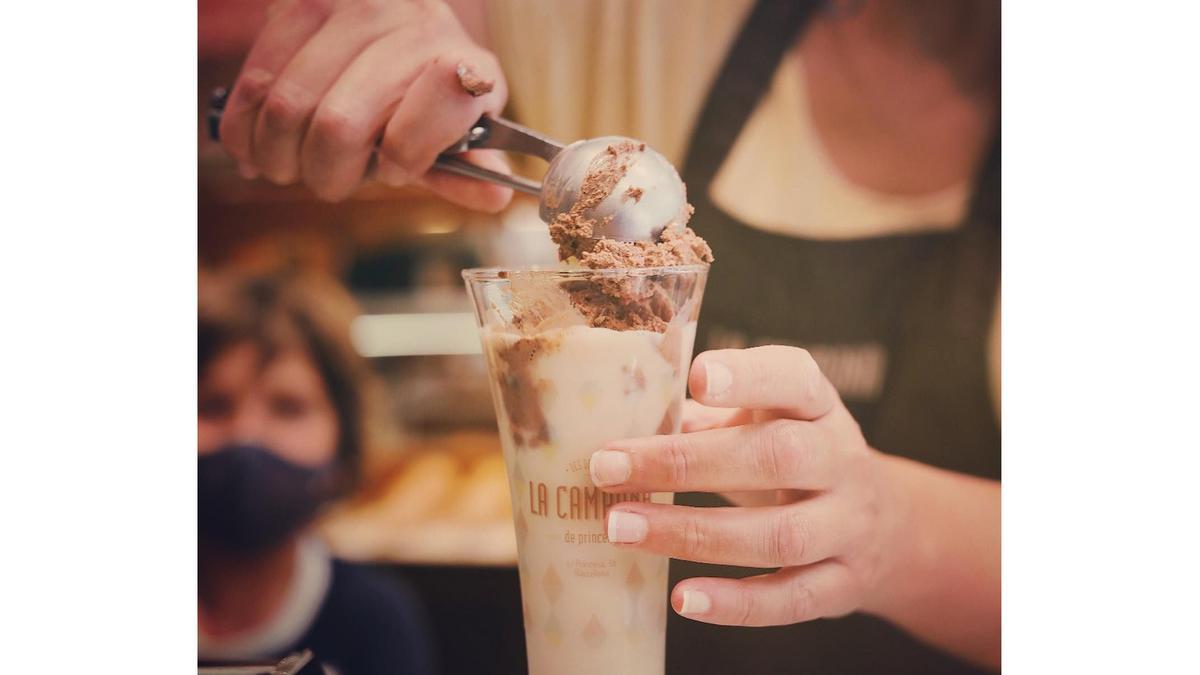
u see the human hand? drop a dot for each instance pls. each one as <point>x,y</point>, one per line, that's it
<point>327,79</point>
<point>766,420</point>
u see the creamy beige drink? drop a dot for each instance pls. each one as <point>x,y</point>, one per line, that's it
<point>563,388</point>
<point>589,606</point>
<point>593,352</point>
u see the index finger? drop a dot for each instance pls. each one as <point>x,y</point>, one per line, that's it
<point>699,417</point>
<point>773,377</point>
<point>781,454</point>
<point>290,25</point>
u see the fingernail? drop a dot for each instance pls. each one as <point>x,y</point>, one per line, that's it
<point>626,528</point>
<point>610,467</point>
<point>248,172</point>
<point>717,378</point>
<point>695,602</point>
<point>470,80</point>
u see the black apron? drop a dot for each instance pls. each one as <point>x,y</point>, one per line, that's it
<point>899,323</point>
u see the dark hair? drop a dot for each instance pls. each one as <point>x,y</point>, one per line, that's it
<point>291,310</point>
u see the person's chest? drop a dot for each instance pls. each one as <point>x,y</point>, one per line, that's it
<point>643,69</point>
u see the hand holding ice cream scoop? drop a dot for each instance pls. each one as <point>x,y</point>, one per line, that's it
<point>626,190</point>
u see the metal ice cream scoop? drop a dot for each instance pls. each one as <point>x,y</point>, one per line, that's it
<point>643,202</point>
<point>648,197</point>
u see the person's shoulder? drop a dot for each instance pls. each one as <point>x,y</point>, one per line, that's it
<point>372,622</point>
<point>362,590</point>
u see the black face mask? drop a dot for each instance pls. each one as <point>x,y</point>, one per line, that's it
<point>251,499</point>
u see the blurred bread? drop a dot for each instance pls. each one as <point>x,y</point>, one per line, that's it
<point>482,494</point>
<point>419,490</point>
<point>448,502</point>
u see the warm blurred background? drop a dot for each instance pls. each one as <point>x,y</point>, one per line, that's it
<point>433,504</point>
<point>874,208</point>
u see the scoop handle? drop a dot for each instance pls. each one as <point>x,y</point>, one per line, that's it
<point>501,134</point>
<point>462,167</point>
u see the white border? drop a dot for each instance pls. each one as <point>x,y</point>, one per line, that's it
<point>97,271</point>
<point>97,369</point>
<point>1101,349</point>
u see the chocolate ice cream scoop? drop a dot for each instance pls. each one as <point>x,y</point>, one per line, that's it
<point>627,190</point>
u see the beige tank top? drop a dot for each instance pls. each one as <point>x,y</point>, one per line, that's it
<point>642,68</point>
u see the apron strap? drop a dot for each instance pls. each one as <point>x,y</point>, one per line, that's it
<point>768,32</point>
<point>984,210</point>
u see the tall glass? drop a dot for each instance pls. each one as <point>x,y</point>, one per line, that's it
<point>578,358</point>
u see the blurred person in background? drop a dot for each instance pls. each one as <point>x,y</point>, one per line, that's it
<point>280,436</point>
<point>843,160</point>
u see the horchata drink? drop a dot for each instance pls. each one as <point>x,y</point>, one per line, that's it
<point>565,381</point>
